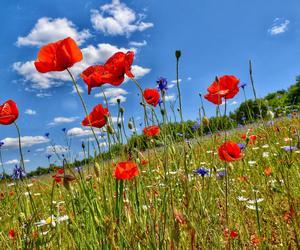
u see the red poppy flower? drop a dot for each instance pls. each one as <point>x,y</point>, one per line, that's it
<point>250,139</point>
<point>229,151</point>
<point>144,162</point>
<point>97,117</point>
<point>226,87</point>
<point>234,234</point>
<point>152,96</point>
<point>151,130</point>
<point>126,170</point>
<point>93,76</point>
<point>58,56</point>
<point>111,72</point>
<point>8,112</point>
<point>57,178</point>
<point>12,234</point>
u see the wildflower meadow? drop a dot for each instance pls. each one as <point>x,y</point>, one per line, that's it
<point>229,180</point>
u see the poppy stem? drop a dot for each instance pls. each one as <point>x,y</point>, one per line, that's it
<point>20,146</point>
<point>253,88</point>
<point>143,100</point>
<point>85,108</point>
<point>178,89</point>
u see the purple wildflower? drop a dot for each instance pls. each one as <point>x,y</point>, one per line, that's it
<point>289,148</point>
<point>201,171</point>
<point>18,173</point>
<point>162,84</point>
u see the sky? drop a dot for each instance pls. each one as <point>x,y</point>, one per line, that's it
<point>216,38</point>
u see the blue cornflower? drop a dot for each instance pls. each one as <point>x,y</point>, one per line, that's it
<point>162,83</point>
<point>196,126</point>
<point>49,156</point>
<point>221,174</point>
<point>78,169</point>
<point>47,135</point>
<point>243,85</point>
<point>18,173</point>
<point>201,171</point>
<point>289,148</point>
<point>243,118</point>
<point>279,96</point>
<point>242,146</point>
<point>270,123</point>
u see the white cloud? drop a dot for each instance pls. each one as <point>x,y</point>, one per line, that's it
<point>80,132</point>
<point>61,120</point>
<point>56,149</point>
<point>118,19</point>
<point>26,141</point>
<point>91,55</point>
<point>171,85</point>
<point>42,95</point>
<point>14,162</point>
<point>48,30</point>
<point>30,112</point>
<point>234,103</point>
<point>279,26</point>
<point>114,100</point>
<point>139,71</point>
<point>112,92</point>
<point>39,150</point>
<point>138,44</point>
<point>189,78</point>
<point>80,89</point>
<point>170,98</point>
<point>175,81</point>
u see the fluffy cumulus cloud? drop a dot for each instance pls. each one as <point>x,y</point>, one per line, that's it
<point>80,132</point>
<point>26,141</point>
<point>118,19</point>
<point>138,44</point>
<point>48,30</point>
<point>14,162</point>
<point>113,94</point>
<point>169,98</point>
<point>91,55</point>
<point>279,26</point>
<point>56,149</point>
<point>30,112</point>
<point>61,120</point>
<point>175,81</point>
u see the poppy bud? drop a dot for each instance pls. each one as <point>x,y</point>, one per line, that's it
<point>178,109</point>
<point>67,184</point>
<point>83,145</point>
<point>97,169</point>
<point>205,121</point>
<point>118,100</point>
<point>119,124</point>
<point>162,111</point>
<point>121,110</point>
<point>130,125</point>
<point>109,129</point>
<point>178,54</point>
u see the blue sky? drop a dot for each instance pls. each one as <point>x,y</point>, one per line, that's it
<point>216,38</point>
